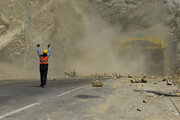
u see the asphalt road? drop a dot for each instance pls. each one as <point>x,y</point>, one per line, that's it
<point>76,99</point>
<point>19,95</point>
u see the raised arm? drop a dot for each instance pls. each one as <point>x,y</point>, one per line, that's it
<point>38,52</point>
<point>49,50</point>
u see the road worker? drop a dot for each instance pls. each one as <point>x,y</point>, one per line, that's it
<point>43,64</point>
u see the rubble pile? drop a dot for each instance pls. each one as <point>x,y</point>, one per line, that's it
<point>70,73</point>
<point>97,75</point>
<point>139,80</point>
<point>116,75</point>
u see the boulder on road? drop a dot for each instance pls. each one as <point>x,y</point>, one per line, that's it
<point>97,83</point>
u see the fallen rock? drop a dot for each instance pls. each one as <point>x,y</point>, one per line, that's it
<point>170,82</point>
<point>97,83</point>
<point>114,75</point>
<point>149,95</point>
<point>153,77</point>
<point>129,76</point>
<point>105,75</point>
<point>70,73</point>
<point>133,81</point>
<point>119,76</point>
<point>178,93</point>
<point>139,110</point>
<point>99,75</point>
<point>144,101</point>
<point>141,80</point>
<point>144,76</point>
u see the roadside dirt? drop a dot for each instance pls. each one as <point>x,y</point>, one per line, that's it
<point>138,101</point>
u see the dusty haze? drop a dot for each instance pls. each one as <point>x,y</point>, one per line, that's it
<point>86,35</point>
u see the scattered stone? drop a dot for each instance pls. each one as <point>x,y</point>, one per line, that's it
<point>149,95</point>
<point>143,80</point>
<point>170,82</point>
<point>98,75</point>
<point>178,93</point>
<point>105,75</point>
<point>70,73</point>
<point>114,75</point>
<point>140,80</point>
<point>152,77</point>
<point>164,79</point>
<point>129,76</point>
<point>133,81</point>
<point>144,76</point>
<point>139,110</point>
<point>144,101</point>
<point>119,76</point>
<point>155,83</point>
<point>10,6</point>
<point>97,83</point>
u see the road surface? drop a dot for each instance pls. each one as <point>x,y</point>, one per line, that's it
<point>18,97</point>
<point>75,99</point>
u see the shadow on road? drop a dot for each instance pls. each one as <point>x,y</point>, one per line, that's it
<point>87,96</point>
<point>157,93</point>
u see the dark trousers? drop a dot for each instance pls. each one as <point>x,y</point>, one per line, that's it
<point>43,73</point>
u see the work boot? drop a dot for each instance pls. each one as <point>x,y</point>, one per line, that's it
<point>42,86</point>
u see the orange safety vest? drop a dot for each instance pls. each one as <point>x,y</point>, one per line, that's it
<point>44,60</point>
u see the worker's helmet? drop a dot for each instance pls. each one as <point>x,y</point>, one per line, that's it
<point>45,52</point>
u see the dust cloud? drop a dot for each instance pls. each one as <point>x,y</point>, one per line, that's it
<point>91,36</point>
<point>95,48</point>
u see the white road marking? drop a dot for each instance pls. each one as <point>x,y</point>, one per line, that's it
<point>18,110</point>
<point>71,91</point>
<point>34,104</point>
